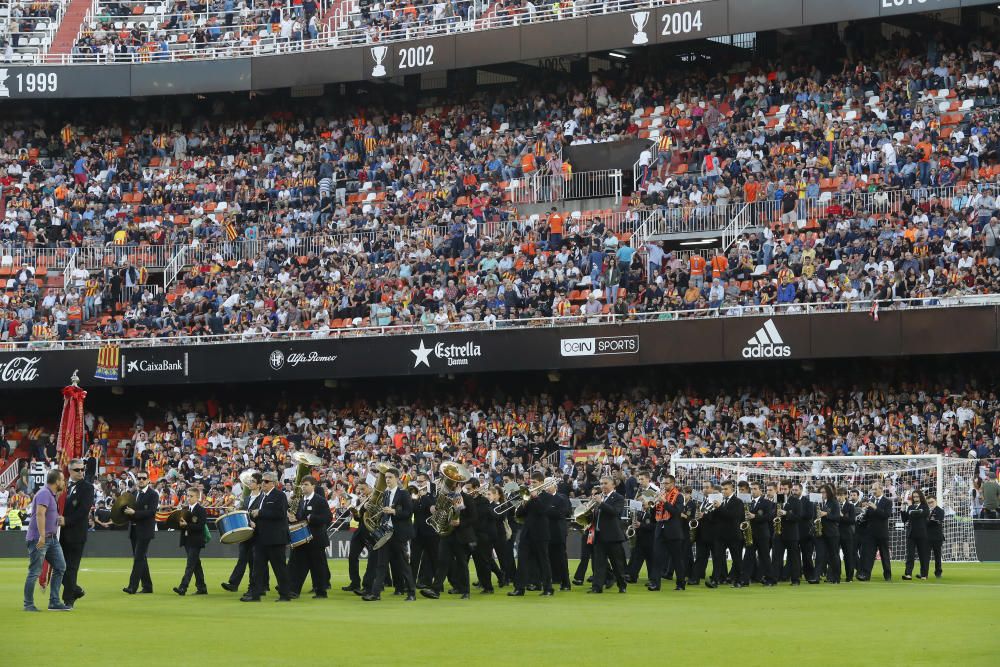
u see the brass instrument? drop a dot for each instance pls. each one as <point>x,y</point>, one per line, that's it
<point>818,523</point>
<point>305,462</point>
<point>454,476</point>
<point>373,506</point>
<point>747,532</point>
<point>586,514</point>
<point>519,495</point>
<point>777,519</point>
<point>646,497</point>
<point>245,478</point>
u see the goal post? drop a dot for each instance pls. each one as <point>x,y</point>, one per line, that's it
<point>949,480</point>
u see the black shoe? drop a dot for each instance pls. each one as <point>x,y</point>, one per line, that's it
<point>631,580</point>
<point>80,593</point>
<point>651,587</point>
<point>937,575</point>
<point>545,594</point>
<point>835,581</point>
<point>906,577</point>
<point>516,593</point>
<point>452,591</point>
<point>487,591</point>
<point>621,589</point>
<point>430,593</point>
<point>466,596</point>
<point>769,584</point>
<point>795,583</point>
<point>678,587</point>
<point>247,597</point>
<point>812,581</point>
<point>130,591</point>
<point>294,596</point>
<point>283,598</point>
<point>533,587</point>
<point>350,588</point>
<point>145,592</point>
<point>179,590</point>
<point>319,596</point>
<point>736,584</point>
<point>229,587</point>
<point>201,591</point>
<point>578,582</point>
<point>590,579</point>
<point>711,584</point>
<point>922,578</point>
<point>360,592</point>
<point>693,582</point>
<point>410,597</point>
<point>399,593</point>
<point>565,588</point>
<point>371,597</point>
<point>596,591</point>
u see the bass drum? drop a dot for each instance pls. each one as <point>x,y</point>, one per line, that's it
<point>378,537</point>
<point>298,534</point>
<point>234,527</point>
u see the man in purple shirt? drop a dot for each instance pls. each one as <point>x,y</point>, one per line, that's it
<point>43,543</point>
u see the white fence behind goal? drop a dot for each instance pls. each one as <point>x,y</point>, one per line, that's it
<point>948,479</point>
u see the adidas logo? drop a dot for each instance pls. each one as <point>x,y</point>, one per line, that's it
<point>766,344</point>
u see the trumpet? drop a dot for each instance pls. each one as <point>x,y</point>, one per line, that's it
<point>521,494</point>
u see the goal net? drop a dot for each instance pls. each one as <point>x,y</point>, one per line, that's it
<point>947,479</point>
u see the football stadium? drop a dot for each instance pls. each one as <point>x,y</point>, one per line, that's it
<point>395,311</point>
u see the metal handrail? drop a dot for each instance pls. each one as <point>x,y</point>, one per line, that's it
<point>365,35</point>
<point>772,310</point>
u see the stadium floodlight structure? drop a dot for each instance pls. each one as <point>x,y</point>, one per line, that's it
<point>948,479</point>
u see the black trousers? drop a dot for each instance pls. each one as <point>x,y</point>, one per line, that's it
<point>423,554</point>
<point>244,561</point>
<point>828,556</point>
<point>756,562</point>
<point>703,551</point>
<point>559,564</point>
<point>922,549</point>
<point>778,551</point>
<point>394,553</point>
<point>482,557</point>
<point>849,550</point>
<point>586,551</point>
<point>935,546</point>
<point>534,564</point>
<point>505,552</point>
<point>641,555</point>
<point>720,573</point>
<point>806,548</point>
<point>309,559</point>
<point>140,566</point>
<point>667,554</point>
<point>273,555</point>
<point>356,546</point>
<point>880,544</point>
<point>453,556</point>
<point>193,568</point>
<point>604,552</point>
<point>72,552</point>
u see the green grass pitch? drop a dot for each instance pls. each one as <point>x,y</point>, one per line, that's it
<point>951,621</point>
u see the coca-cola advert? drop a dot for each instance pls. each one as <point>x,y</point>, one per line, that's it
<point>19,370</point>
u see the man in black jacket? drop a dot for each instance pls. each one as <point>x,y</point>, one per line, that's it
<point>193,540</point>
<point>398,506</point>
<point>704,535</point>
<point>534,546</point>
<point>608,536</point>
<point>73,536</point>
<point>935,533</point>
<point>645,526</point>
<point>848,516</point>
<point>142,520</point>
<point>455,548</point>
<point>729,513</point>
<point>877,513</point>
<point>310,558</point>
<point>559,513</point>
<point>806,517</point>
<point>669,536</point>
<point>786,536</point>
<point>486,532</point>
<point>359,542</point>
<point>245,558</point>
<point>271,539</point>
<point>757,555</point>
<point>424,547</point>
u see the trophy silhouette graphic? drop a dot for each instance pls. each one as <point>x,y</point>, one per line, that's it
<point>639,20</point>
<point>378,55</point>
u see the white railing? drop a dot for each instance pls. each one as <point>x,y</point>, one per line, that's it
<point>174,267</point>
<point>637,169</point>
<point>736,228</point>
<point>544,187</point>
<point>363,35</point>
<point>771,310</point>
<point>68,272</point>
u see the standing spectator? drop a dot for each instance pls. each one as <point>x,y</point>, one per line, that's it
<point>991,499</point>
<point>43,545</point>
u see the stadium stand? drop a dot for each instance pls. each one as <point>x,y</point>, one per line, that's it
<point>27,28</point>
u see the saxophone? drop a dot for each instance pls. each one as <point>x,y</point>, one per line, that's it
<point>746,528</point>
<point>818,524</point>
<point>777,521</point>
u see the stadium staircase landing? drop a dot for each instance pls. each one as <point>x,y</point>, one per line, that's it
<point>72,21</point>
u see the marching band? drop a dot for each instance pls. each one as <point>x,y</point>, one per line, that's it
<point>422,536</point>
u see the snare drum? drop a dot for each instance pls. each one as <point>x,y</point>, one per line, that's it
<point>298,534</point>
<point>378,537</point>
<point>234,527</point>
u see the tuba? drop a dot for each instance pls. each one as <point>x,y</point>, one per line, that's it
<point>454,476</point>
<point>305,462</point>
<point>584,515</point>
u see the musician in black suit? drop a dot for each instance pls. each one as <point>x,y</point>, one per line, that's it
<point>142,520</point>
<point>398,506</point>
<point>935,533</point>
<point>271,526</point>
<point>534,545</point>
<point>786,538</point>
<point>455,548</point>
<point>245,558</point>
<point>644,524</point>
<point>729,514</point>
<point>668,536</point>
<point>860,531</point>
<point>828,543</point>
<point>915,514</point>
<point>806,541</point>
<point>559,513</point>
<point>359,542</point>
<point>688,513</point>
<point>424,547</point>
<point>877,512</point>
<point>704,535</point>
<point>504,539</point>
<point>310,558</point>
<point>76,523</point>
<point>193,539</point>
<point>848,518</point>
<point>609,537</point>
<point>757,554</point>
<point>486,535</point>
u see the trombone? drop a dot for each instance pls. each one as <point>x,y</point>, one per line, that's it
<point>518,495</point>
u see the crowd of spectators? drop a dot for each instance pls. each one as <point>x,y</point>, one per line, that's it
<point>624,421</point>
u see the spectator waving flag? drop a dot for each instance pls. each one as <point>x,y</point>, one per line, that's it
<point>873,311</point>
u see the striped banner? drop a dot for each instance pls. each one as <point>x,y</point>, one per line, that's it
<point>8,476</point>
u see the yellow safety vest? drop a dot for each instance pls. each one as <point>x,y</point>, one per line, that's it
<point>14,519</point>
